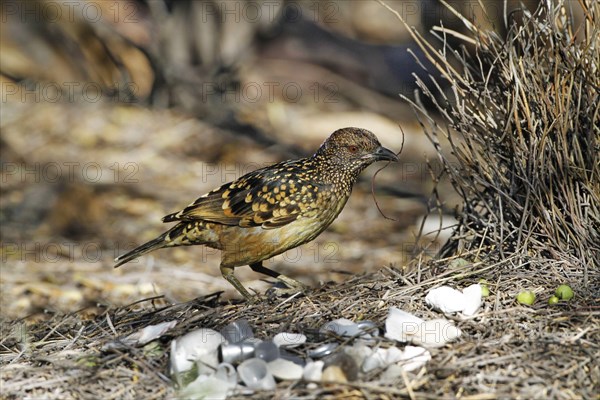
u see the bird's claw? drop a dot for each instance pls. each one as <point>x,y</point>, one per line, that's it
<point>284,291</point>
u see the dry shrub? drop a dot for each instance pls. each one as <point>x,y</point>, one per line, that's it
<point>523,123</point>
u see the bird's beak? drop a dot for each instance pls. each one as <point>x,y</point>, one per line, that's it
<point>383,154</point>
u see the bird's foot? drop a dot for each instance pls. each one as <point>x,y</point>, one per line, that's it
<point>254,298</point>
<point>279,291</point>
<point>292,283</point>
<point>287,287</point>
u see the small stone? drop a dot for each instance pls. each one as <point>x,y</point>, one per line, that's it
<point>414,357</point>
<point>255,374</point>
<point>341,327</point>
<point>289,340</point>
<point>285,370</point>
<point>237,331</point>
<point>313,371</point>
<point>323,350</point>
<point>375,361</point>
<point>346,364</point>
<point>207,387</point>
<point>472,296</point>
<point>436,333</point>
<point>200,345</point>
<point>400,325</point>
<point>446,299</point>
<point>359,352</point>
<point>333,373</point>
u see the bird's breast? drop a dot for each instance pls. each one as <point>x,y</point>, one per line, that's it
<point>242,246</point>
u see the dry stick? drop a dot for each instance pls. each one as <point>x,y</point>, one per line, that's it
<point>375,175</point>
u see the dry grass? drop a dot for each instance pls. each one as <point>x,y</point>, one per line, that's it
<point>507,351</point>
<point>523,121</point>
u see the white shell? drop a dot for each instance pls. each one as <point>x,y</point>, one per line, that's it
<point>400,325</point>
<point>414,357</point>
<point>285,369</point>
<point>449,300</point>
<point>446,299</point>
<point>472,297</point>
<point>149,333</point>
<point>289,340</point>
<point>358,351</point>
<point>382,358</point>
<point>393,355</point>
<point>392,373</point>
<point>313,371</point>
<point>436,333</point>
<point>255,374</point>
<point>227,373</point>
<point>374,361</point>
<point>199,345</point>
<point>207,387</point>
<point>405,327</point>
<point>341,327</point>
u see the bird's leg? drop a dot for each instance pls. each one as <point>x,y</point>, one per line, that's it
<point>227,273</point>
<point>289,282</point>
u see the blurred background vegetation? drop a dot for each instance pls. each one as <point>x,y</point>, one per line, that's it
<point>115,113</point>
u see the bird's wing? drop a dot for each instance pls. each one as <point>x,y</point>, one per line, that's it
<point>269,197</point>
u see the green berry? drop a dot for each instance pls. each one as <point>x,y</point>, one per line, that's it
<point>564,292</point>
<point>485,291</point>
<point>553,300</point>
<point>526,297</point>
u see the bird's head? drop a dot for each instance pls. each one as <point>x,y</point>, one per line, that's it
<point>354,149</point>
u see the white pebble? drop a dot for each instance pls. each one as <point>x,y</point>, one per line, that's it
<point>200,345</point>
<point>472,296</point>
<point>414,357</point>
<point>436,333</point>
<point>400,325</point>
<point>313,371</point>
<point>289,340</point>
<point>255,374</point>
<point>446,299</point>
<point>285,370</point>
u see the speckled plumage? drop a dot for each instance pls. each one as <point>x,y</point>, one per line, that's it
<point>273,209</point>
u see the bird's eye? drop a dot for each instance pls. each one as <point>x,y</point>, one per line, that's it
<point>353,149</point>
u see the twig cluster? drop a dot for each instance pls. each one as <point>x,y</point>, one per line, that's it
<point>523,124</point>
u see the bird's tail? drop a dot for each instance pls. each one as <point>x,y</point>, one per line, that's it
<point>181,234</point>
